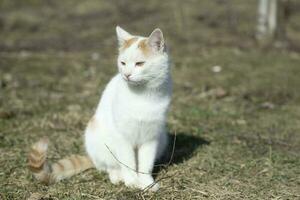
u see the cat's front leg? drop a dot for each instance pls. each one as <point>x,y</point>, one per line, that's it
<point>146,158</point>
<point>126,159</point>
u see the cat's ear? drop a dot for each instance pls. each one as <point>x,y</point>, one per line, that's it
<point>122,35</point>
<point>156,40</point>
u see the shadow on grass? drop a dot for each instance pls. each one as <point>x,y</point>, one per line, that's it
<point>185,145</point>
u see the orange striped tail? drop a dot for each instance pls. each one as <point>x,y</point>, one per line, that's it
<point>51,173</point>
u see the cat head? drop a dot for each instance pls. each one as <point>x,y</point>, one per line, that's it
<point>142,60</point>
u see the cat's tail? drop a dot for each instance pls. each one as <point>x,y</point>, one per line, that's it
<point>51,173</point>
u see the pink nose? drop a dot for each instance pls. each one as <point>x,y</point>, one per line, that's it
<point>127,75</point>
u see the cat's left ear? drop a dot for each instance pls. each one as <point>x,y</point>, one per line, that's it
<point>156,40</point>
<point>122,35</point>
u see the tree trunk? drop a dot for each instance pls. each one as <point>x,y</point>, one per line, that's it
<point>269,16</point>
<point>262,25</point>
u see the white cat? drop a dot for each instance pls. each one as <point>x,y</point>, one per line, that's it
<point>128,131</point>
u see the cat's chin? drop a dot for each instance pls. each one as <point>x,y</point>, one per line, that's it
<point>134,83</point>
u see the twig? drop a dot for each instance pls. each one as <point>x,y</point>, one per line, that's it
<point>201,192</point>
<point>90,195</point>
<point>152,184</point>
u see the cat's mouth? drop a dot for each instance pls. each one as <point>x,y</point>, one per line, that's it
<point>133,82</point>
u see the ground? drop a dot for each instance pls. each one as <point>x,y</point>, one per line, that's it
<point>237,130</point>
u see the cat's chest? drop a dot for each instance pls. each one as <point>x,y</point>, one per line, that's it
<point>139,116</point>
<point>145,108</point>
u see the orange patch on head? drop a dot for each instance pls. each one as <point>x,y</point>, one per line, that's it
<point>144,47</point>
<point>128,43</point>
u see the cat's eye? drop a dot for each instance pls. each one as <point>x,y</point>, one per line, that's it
<point>139,64</point>
<point>123,63</point>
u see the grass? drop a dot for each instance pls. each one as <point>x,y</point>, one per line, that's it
<point>57,56</point>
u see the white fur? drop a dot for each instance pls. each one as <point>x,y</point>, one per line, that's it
<point>132,114</point>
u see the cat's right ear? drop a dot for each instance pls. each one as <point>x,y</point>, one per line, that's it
<point>156,40</point>
<point>122,35</point>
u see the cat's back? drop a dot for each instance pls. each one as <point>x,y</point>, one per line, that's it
<point>111,87</point>
<point>108,95</point>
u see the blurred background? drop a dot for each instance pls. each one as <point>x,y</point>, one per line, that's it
<point>36,25</point>
<point>236,104</point>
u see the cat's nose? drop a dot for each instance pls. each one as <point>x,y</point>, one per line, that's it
<point>128,76</point>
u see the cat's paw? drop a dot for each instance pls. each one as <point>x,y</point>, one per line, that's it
<point>132,183</point>
<point>115,176</point>
<point>130,179</point>
<point>155,187</point>
<point>146,182</point>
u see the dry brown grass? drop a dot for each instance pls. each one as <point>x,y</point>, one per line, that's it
<point>57,56</point>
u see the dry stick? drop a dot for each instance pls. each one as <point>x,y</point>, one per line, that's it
<point>163,165</point>
<point>90,195</point>
<point>173,150</point>
<point>152,184</point>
